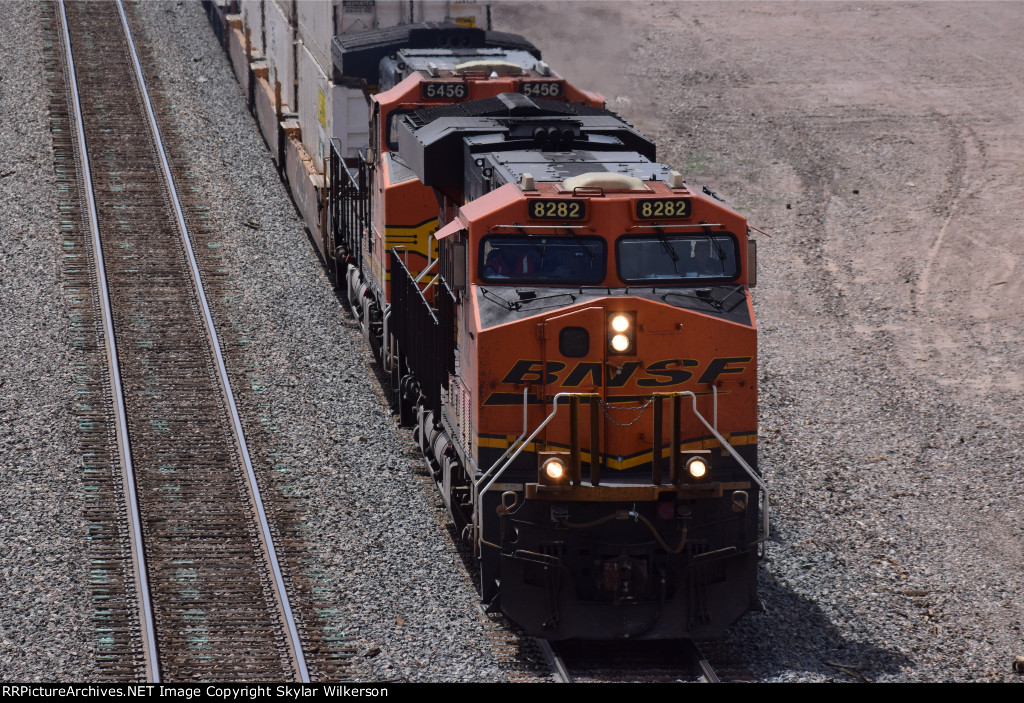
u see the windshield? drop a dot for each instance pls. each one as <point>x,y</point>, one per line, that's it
<point>392,133</point>
<point>542,259</point>
<point>677,258</point>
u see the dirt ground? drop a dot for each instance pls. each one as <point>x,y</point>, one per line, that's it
<point>916,106</point>
<point>880,147</point>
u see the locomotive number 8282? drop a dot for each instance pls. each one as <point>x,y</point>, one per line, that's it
<point>670,208</point>
<point>558,209</point>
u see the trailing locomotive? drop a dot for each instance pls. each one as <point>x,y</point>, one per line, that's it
<point>413,67</point>
<point>576,348</point>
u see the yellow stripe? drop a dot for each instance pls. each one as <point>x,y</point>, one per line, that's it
<point>627,462</point>
<point>415,238</point>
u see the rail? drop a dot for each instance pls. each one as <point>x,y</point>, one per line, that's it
<point>120,413</point>
<point>622,661</point>
<point>147,119</point>
<point>559,670</point>
<point>236,422</point>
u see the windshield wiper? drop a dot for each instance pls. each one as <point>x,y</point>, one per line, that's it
<point>719,252</point>
<point>705,296</point>
<point>495,298</point>
<point>668,248</point>
<point>721,301</point>
<point>525,296</point>
<point>529,238</point>
<point>581,245</point>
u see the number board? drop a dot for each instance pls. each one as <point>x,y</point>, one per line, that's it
<point>663,208</point>
<point>542,89</point>
<point>447,90</point>
<point>558,209</point>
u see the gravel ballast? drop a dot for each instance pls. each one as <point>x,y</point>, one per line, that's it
<point>876,144</point>
<point>45,618</point>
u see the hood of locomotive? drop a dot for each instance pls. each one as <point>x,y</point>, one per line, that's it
<point>548,341</point>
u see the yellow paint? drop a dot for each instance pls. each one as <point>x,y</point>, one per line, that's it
<point>465,21</point>
<point>628,462</point>
<point>378,268</point>
<point>321,106</point>
<point>415,238</point>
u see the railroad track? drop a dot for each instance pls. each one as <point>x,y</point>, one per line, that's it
<point>664,661</point>
<point>211,598</point>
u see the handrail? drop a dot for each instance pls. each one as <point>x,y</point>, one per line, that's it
<point>425,271</point>
<point>348,173</point>
<point>341,161</point>
<point>516,441</point>
<point>522,444</point>
<point>656,225</point>
<point>408,275</point>
<point>508,463</point>
<point>735,455</point>
<point>347,210</point>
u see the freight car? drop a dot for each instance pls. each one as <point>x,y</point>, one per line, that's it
<point>576,349</point>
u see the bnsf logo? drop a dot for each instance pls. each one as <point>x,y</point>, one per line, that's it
<point>659,374</point>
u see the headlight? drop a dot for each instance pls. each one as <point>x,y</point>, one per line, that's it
<point>697,467</point>
<point>554,469</point>
<point>622,333</point>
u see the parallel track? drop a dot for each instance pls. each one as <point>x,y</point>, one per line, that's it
<point>212,598</point>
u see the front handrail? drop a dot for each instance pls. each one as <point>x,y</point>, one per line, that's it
<point>502,463</point>
<point>522,445</point>
<point>735,455</point>
<point>512,444</point>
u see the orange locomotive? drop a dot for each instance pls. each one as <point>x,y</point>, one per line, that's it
<point>583,370</point>
<point>579,361</point>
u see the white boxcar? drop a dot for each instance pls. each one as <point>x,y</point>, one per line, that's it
<point>252,12</point>
<point>279,30</point>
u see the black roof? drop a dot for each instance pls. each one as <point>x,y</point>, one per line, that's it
<point>358,55</point>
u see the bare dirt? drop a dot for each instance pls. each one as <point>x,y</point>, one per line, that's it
<point>880,145</point>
